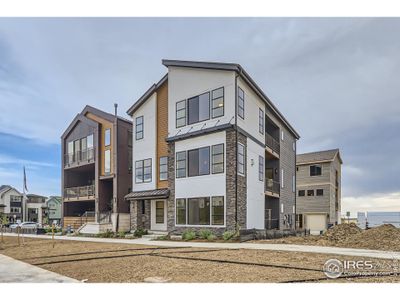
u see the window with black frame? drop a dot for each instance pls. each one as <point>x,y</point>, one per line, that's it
<point>261,121</point>
<point>181,211</point>
<point>180,113</point>
<point>199,211</point>
<point>217,159</point>
<point>241,158</point>
<point>315,170</point>
<point>217,102</point>
<point>143,171</point>
<point>163,168</point>
<point>217,212</point>
<point>139,128</point>
<point>199,162</point>
<point>261,168</point>
<point>198,108</point>
<point>240,103</point>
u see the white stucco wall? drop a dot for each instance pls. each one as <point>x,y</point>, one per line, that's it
<point>255,187</point>
<point>5,199</point>
<point>184,83</point>
<point>145,148</point>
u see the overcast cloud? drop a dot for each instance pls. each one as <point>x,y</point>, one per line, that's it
<point>336,81</point>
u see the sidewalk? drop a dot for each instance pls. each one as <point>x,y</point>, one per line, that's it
<point>254,246</point>
<point>12,270</point>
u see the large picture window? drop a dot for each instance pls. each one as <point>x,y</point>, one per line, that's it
<point>241,159</point>
<point>181,164</point>
<point>217,102</point>
<point>316,170</point>
<point>143,171</point>
<point>199,161</point>
<point>240,103</point>
<point>199,108</point>
<point>139,128</point>
<point>217,159</point>
<point>164,168</point>
<point>180,113</point>
<point>199,211</point>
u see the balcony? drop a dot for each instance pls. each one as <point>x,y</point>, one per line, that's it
<point>79,193</point>
<point>79,157</point>
<point>272,188</point>
<point>273,146</point>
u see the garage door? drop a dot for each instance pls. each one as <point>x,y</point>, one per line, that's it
<point>316,223</point>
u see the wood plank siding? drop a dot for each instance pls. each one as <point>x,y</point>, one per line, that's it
<point>162,130</point>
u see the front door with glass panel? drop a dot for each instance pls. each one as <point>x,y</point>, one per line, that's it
<point>158,215</point>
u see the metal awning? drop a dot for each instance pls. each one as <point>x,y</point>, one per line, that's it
<point>152,194</point>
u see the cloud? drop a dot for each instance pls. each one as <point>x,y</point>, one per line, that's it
<point>6,159</point>
<point>374,202</point>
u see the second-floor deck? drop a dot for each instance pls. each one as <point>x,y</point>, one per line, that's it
<point>79,193</point>
<point>272,188</point>
<point>79,158</point>
<point>272,145</point>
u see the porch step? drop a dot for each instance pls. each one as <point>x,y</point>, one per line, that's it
<point>155,234</point>
<point>95,228</point>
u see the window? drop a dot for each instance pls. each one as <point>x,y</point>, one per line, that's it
<point>294,146</point>
<point>199,108</point>
<point>241,159</point>
<point>181,211</point>
<point>217,217</point>
<point>282,208</point>
<point>164,168</point>
<point>217,109</point>
<point>77,149</point>
<point>89,145</point>
<point>282,179</point>
<point>315,170</point>
<point>107,161</point>
<point>143,171</point>
<point>302,193</point>
<point>160,212</point>
<point>199,211</point>
<point>139,128</point>
<point>199,161</point>
<point>261,168</point>
<point>261,121</point>
<point>217,160</point>
<point>320,192</point>
<point>107,137</point>
<point>240,103</point>
<point>180,113</point>
<point>181,164</point>
<point>294,184</point>
<point>310,192</point>
<point>282,135</point>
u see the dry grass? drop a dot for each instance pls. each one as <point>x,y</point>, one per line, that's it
<point>105,262</point>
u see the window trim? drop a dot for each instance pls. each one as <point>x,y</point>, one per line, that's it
<point>212,102</point>
<point>240,99</point>
<point>159,168</point>
<point>142,167</point>
<point>176,113</point>
<point>212,159</point>
<point>261,121</point>
<point>176,164</point>
<point>136,130</point>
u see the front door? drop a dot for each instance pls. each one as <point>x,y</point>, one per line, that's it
<point>158,215</point>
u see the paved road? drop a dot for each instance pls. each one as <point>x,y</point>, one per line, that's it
<point>12,270</point>
<point>274,247</point>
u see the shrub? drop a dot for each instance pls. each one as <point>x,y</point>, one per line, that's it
<point>107,234</point>
<point>205,233</point>
<point>228,235</point>
<point>211,237</point>
<point>121,234</point>
<point>188,235</point>
<point>140,232</point>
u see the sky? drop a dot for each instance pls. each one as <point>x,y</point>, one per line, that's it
<point>335,79</point>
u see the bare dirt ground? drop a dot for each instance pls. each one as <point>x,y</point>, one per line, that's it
<point>105,262</point>
<point>385,237</point>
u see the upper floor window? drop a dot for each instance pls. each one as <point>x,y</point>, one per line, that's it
<point>240,103</point>
<point>302,193</point>
<point>315,170</point>
<point>163,168</point>
<point>181,164</point>
<point>282,135</point>
<point>139,128</point>
<point>89,141</point>
<point>294,146</point>
<point>320,192</point>
<point>217,102</point>
<point>217,159</point>
<point>282,179</point>
<point>107,161</point>
<point>241,158</point>
<point>199,161</point>
<point>310,192</point>
<point>261,121</point>
<point>143,171</point>
<point>180,113</point>
<point>107,137</point>
<point>198,108</point>
<point>261,168</point>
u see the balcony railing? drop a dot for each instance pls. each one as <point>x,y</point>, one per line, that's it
<point>272,186</point>
<point>272,143</point>
<point>79,192</point>
<point>77,157</point>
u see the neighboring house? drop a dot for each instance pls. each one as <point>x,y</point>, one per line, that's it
<point>11,203</point>
<point>378,218</point>
<point>96,171</point>
<point>210,150</point>
<point>319,188</point>
<point>53,209</point>
<point>35,208</point>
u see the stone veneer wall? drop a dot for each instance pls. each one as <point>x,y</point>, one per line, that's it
<point>139,220</point>
<point>230,201</point>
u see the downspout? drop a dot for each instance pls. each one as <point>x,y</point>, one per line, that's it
<point>236,158</point>
<point>295,184</point>
<point>115,150</point>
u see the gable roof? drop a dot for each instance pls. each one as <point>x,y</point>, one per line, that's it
<point>242,73</point>
<point>319,156</point>
<point>5,188</point>
<point>146,95</point>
